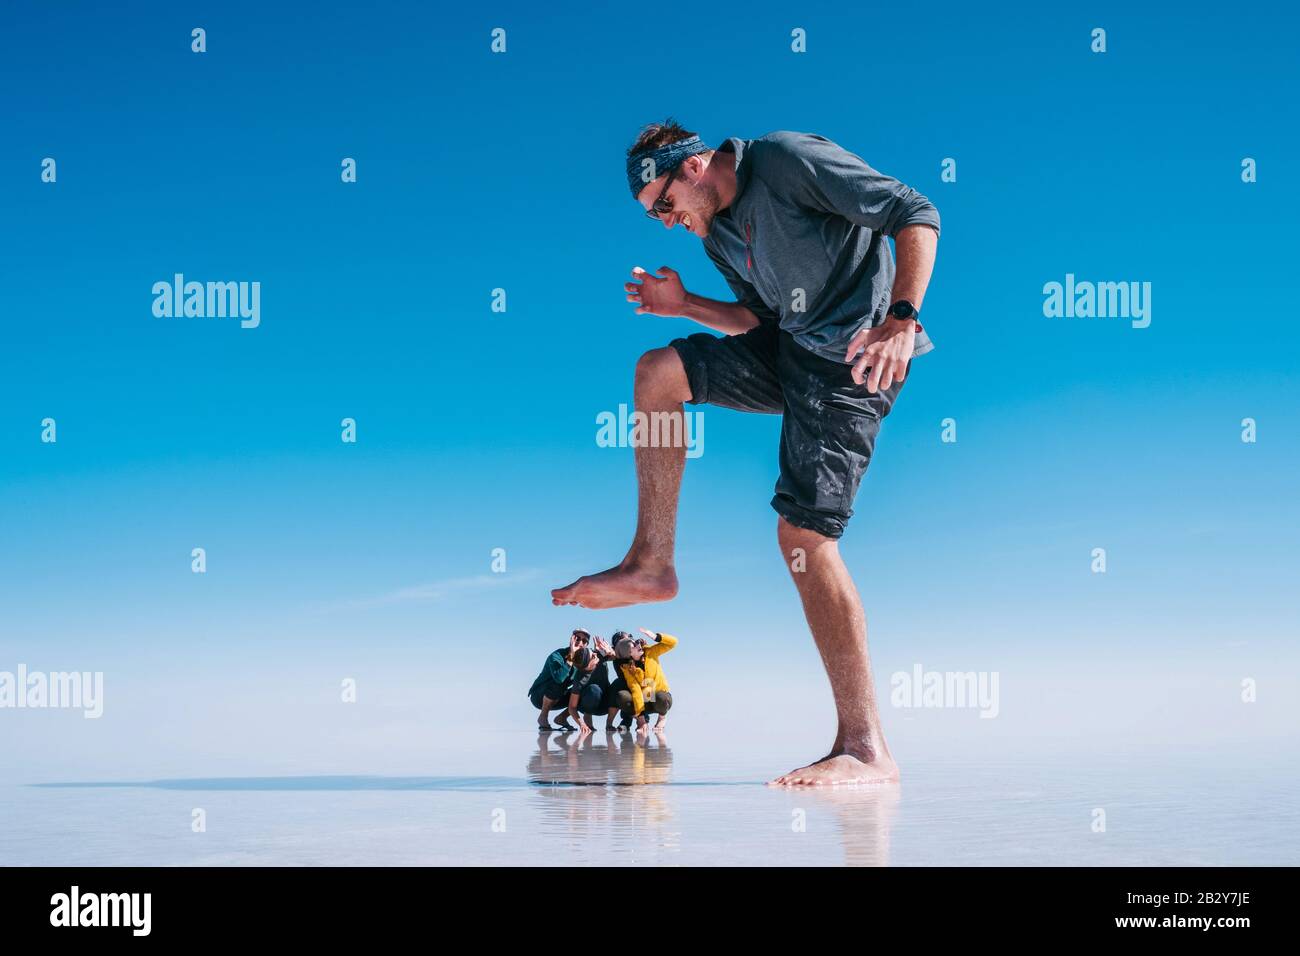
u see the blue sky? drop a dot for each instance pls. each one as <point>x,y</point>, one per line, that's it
<point>477,429</point>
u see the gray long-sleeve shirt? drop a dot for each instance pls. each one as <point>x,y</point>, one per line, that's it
<point>803,243</point>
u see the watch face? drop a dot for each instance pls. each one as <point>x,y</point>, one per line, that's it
<point>902,310</point>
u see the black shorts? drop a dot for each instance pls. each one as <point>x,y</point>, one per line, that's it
<point>829,422</point>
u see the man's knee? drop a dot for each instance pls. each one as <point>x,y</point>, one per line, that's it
<point>591,699</point>
<point>791,536</point>
<point>660,373</point>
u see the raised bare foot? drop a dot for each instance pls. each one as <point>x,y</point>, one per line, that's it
<point>619,587</point>
<point>840,769</point>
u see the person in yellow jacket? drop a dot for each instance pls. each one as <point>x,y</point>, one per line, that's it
<point>646,690</point>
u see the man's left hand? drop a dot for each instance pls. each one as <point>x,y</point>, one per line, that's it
<point>886,350</point>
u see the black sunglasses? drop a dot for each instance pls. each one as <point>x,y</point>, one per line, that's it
<point>662,204</point>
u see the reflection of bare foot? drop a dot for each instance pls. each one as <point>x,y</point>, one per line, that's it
<point>865,816</point>
<point>841,769</point>
<point>619,587</point>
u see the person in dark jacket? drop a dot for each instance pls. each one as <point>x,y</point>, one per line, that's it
<point>559,673</point>
<point>590,692</point>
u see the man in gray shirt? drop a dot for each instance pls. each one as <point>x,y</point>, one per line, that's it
<point>822,332</point>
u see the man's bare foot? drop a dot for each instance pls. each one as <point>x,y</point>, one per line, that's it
<point>840,769</point>
<point>619,587</point>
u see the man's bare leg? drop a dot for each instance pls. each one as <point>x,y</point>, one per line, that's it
<point>646,574</point>
<point>544,717</point>
<point>839,626</point>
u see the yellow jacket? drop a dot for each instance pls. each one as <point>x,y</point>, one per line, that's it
<point>645,677</point>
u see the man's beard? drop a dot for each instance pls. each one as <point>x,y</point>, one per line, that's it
<point>705,202</point>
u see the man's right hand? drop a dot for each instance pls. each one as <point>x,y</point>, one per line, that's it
<point>657,294</point>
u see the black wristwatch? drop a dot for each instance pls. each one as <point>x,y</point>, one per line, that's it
<point>902,309</point>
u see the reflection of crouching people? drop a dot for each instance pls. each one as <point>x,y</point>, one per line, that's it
<point>645,687</point>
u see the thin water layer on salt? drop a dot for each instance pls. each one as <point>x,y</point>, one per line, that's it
<point>559,800</point>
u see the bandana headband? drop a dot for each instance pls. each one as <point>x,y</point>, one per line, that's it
<point>649,164</point>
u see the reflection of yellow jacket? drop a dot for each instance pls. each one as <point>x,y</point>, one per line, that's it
<point>645,677</point>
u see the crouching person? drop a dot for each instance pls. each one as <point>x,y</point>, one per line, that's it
<point>558,675</point>
<point>645,687</point>
<point>590,692</point>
